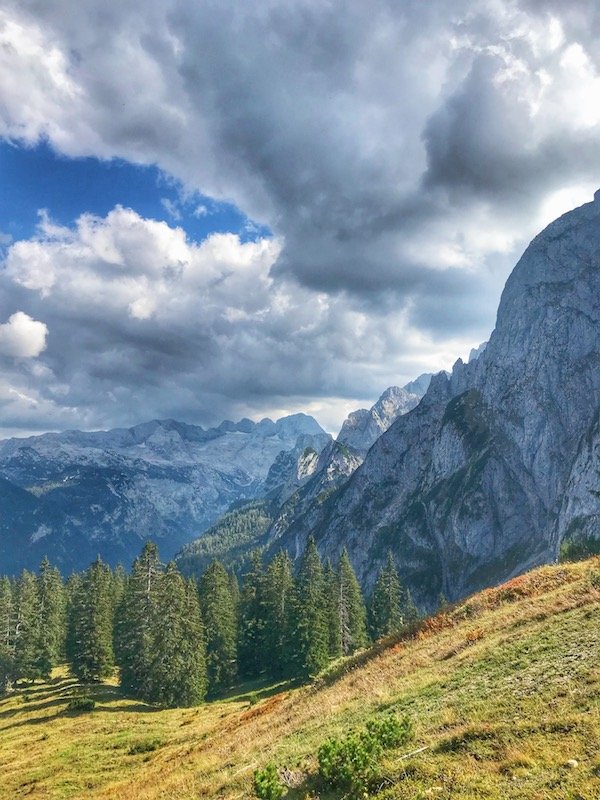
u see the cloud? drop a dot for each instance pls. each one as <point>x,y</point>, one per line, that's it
<point>147,323</point>
<point>402,154</point>
<point>22,337</point>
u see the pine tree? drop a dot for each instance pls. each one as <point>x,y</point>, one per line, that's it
<point>351,608</point>
<point>134,622</point>
<point>8,624</point>
<point>385,611</point>
<point>177,666</point>
<point>332,609</point>
<point>410,613</point>
<point>311,630</point>
<point>219,617</point>
<point>278,591</point>
<point>27,641</point>
<point>90,650</point>
<point>52,618</point>
<point>251,631</point>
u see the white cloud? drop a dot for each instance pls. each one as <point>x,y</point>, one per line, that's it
<point>147,323</point>
<point>22,336</point>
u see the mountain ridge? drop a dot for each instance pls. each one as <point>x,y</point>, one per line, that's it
<point>467,488</point>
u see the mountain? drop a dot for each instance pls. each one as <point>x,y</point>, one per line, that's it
<point>74,495</point>
<point>501,459</point>
<point>363,427</point>
<point>298,479</point>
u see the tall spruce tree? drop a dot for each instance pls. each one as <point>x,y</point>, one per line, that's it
<point>134,622</point>
<point>310,624</point>
<point>52,618</point>
<point>252,655</point>
<point>351,608</point>
<point>8,624</point>
<point>332,608</point>
<point>385,607</point>
<point>27,640</point>
<point>177,665</point>
<point>90,645</point>
<point>277,594</point>
<point>218,613</point>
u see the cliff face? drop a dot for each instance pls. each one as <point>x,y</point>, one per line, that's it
<point>501,459</point>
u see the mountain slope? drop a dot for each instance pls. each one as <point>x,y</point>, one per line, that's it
<point>106,492</point>
<point>499,460</point>
<point>298,479</point>
<point>503,691</point>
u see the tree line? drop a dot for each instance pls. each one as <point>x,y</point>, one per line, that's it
<point>176,640</point>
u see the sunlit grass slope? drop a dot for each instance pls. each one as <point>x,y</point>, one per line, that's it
<point>504,692</point>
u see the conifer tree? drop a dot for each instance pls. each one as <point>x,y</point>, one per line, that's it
<point>90,651</point>
<point>410,613</point>
<point>332,607</point>
<point>234,589</point>
<point>278,591</point>
<point>351,608</point>
<point>119,579</point>
<point>310,630</point>
<point>251,631</point>
<point>177,665</point>
<point>219,617</point>
<point>8,623</point>
<point>52,618</point>
<point>134,622</point>
<point>385,612</point>
<point>27,640</point>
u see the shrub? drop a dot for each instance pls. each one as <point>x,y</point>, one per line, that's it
<point>80,705</point>
<point>351,764</point>
<point>143,746</point>
<point>267,785</point>
<point>390,730</point>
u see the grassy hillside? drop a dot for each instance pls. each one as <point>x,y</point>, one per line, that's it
<point>504,690</point>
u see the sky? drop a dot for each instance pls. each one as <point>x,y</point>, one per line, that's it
<point>212,210</point>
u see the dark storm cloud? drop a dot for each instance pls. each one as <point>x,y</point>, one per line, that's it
<point>402,154</point>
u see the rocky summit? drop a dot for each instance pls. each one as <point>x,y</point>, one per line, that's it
<point>74,495</point>
<point>500,461</point>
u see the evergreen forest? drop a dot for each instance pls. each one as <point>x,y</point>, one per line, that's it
<point>175,640</point>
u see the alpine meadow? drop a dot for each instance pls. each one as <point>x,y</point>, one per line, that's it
<point>300,400</point>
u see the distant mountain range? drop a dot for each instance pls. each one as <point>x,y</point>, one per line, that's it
<point>75,495</point>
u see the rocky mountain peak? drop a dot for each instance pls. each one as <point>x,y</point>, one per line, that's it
<point>500,460</point>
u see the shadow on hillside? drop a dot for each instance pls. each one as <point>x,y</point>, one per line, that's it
<point>253,691</point>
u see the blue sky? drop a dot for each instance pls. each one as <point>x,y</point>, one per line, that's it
<point>37,177</point>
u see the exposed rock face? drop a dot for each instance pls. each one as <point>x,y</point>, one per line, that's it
<point>501,458</point>
<point>341,458</point>
<point>364,427</point>
<point>75,495</point>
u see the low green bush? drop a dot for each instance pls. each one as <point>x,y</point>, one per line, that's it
<point>351,764</point>
<point>80,705</point>
<point>143,746</point>
<point>267,784</point>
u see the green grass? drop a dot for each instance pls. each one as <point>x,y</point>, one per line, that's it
<point>503,691</point>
